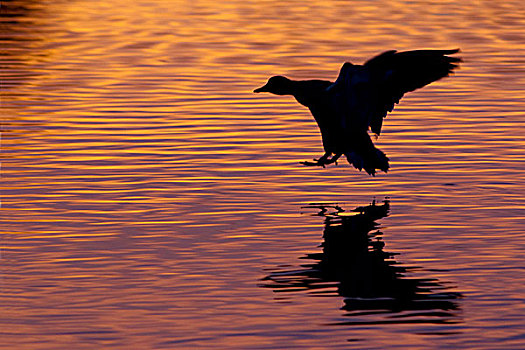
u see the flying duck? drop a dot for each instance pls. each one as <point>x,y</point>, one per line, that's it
<point>360,98</point>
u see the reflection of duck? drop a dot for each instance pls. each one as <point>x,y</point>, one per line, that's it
<point>371,281</point>
<point>360,98</point>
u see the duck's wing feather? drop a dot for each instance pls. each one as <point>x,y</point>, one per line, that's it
<point>351,98</point>
<point>395,73</point>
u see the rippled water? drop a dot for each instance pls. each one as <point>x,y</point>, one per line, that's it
<point>151,200</point>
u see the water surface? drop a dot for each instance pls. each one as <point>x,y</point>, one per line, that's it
<point>151,200</point>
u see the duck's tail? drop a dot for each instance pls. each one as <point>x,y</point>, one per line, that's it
<point>366,156</point>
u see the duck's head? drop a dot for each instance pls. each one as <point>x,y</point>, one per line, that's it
<point>277,85</point>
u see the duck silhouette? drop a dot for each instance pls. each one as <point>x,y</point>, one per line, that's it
<point>360,98</point>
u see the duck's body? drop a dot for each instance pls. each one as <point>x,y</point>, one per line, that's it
<point>314,95</point>
<point>360,98</point>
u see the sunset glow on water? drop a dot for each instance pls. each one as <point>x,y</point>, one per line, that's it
<point>150,200</point>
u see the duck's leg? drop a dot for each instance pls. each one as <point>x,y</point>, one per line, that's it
<point>318,162</point>
<point>324,160</point>
<point>333,159</point>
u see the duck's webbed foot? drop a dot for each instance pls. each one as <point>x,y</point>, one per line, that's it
<point>324,160</point>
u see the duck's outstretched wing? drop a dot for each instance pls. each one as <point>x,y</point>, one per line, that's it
<point>393,74</point>
<point>351,99</point>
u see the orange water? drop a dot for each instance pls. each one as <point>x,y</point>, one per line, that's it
<point>149,197</point>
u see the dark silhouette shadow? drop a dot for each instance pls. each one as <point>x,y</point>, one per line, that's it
<point>354,265</point>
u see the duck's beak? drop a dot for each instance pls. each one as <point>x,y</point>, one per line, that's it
<point>261,89</point>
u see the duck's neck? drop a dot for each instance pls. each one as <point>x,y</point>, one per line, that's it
<point>300,90</point>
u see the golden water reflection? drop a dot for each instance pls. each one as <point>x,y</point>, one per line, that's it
<point>146,190</point>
